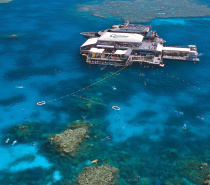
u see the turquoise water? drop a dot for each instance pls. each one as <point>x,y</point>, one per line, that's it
<point>147,140</point>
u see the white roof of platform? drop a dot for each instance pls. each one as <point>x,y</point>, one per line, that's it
<point>176,49</point>
<point>121,37</point>
<point>89,42</point>
<point>96,50</point>
<point>159,47</point>
<point>105,46</point>
<point>120,52</point>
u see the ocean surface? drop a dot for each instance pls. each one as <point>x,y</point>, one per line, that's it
<point>40,61</point>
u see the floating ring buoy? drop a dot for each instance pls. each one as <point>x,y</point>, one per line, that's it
<point>19,87</point>
<point>116,107</point>
<point>41,103</point>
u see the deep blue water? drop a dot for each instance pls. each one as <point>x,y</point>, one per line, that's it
<point>147,140</point>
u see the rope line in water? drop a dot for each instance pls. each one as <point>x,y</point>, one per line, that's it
<point>174,77</point>
<point>177,78</point>
<point>87,99</point>
<point>115,73</point>
<point>74,93</point>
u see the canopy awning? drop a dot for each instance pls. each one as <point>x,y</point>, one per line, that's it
<point>120,52</point>
<point>105,46</point>
<point>121,37</point>
<point>96,50</point>
<point>90,42</point>
<point>176,49</point>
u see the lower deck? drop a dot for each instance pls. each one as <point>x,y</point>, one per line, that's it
<point>117,61</point>
<point>182,58</point>
<point>152,54</point>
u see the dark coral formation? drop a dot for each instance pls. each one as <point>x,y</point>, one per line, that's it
<point>27,132</point>
<point>98,175</point>
<point>195,170</point>
<point>207,181</point>
<point>77,124</point>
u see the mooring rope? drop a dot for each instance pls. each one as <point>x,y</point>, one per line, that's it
<point>82,89</point>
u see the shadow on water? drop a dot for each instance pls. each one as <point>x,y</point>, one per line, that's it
<point>25,73</point>
<point>12,101</point>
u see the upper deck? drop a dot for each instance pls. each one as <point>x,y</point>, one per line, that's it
<point>146,31</point>
<point>135,28</point>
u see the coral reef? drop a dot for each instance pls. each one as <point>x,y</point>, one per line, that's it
<point>90,102</point>
<point>98,175</point>
<point>207,181</point>
<point>27,132</point>
<point>171,153</point>
<point>68,141</point>
<point>5,1</point>
<point>77,124</point>
<point>195,170</point>
<point>141,181</point>
<point>144,11</point>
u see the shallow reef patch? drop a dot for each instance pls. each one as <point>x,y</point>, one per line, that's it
<point>144,11</point>
<point>98,175</point>
<point>24,133</point>
<point>5,1</point>
<point>195,169</point>
<point>68,141</point>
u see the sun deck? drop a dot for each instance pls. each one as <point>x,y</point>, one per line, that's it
<point>130,28</point>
